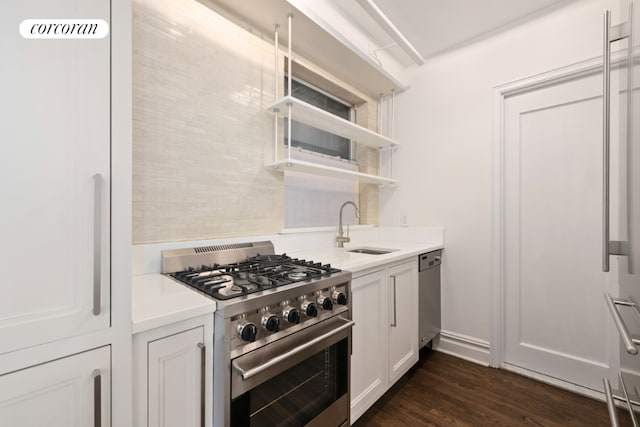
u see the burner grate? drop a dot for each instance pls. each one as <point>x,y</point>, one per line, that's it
<point>255,274</point>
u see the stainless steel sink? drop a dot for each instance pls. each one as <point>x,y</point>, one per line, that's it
<point>370,251</point>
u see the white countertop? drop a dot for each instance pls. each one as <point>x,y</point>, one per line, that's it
<point>354,262</point>
<point>158,301</point>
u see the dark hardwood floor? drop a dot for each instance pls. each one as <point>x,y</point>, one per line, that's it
<point>442,390</point>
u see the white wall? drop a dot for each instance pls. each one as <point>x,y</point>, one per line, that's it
<point>444,165</point>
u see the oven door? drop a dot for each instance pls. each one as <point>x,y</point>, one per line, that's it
<point>302,379</point>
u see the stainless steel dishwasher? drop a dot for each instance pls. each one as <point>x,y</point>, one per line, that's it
<point>429,296</point>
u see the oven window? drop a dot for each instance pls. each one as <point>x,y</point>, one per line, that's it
<point>299,394</point>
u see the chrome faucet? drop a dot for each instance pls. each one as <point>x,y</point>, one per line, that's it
<point>340,238</point>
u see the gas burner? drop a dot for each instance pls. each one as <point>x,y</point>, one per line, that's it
<point>298,275</point>
<point>254,274</point>
<point>264,259</point>
<point>263,280</point>
<point>227,292</point>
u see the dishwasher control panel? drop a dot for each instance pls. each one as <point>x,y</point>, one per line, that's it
<point>430,259</point>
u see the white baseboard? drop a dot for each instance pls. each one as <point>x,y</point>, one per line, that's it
<point>464,347</point>
<point>594,394</point>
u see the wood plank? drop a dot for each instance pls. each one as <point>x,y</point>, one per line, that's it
<point>443,390</point>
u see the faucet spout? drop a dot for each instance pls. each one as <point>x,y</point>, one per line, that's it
<point>341,239</point>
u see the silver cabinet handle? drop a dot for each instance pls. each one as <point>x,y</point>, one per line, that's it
<point>203,358</point>
<point>97,398</point>
<point>246,374</point>
<point>606,120</point>
<point>395,323</point>
<point>613,415</point>
<point>97,243</point>
<point>611,34</point>
<point>632,192</point>
<point>629,342</point>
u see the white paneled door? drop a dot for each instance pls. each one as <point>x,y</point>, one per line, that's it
<point>555,322</point>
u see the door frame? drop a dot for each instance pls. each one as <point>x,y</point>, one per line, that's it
<point>500,93</point>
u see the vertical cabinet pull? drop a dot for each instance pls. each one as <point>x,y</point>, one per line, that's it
<point>395,323</point>
<point>610,35</point>
<point>97,243</point>
<point>203,359</point>
<point>606,77</point>
<point>97,398</point>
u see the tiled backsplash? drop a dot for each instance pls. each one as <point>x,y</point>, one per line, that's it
<point>200,133</point>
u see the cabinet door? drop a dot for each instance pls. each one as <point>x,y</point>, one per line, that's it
<point>175,380</point>
<point>369,357</point>
<point>403,318</point>
<point>70,392</point>
<point>54,177</point>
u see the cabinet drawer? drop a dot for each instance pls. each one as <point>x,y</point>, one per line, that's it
<point>68,392</point>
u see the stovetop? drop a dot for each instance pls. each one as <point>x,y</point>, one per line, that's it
<point>255,274</point>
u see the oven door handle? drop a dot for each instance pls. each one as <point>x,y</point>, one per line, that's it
<point>274,361</point>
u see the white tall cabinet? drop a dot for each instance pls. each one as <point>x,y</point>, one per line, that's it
<point>385,336</point>
<point>54,178</point>
<point>65,177</point>
<point>624,304</point>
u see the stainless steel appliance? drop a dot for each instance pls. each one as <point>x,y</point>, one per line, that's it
<point>429,296</point>
<point>622,172</point>
<point>282,334</point>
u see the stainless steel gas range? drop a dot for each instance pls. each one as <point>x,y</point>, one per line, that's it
<point>282,334</point>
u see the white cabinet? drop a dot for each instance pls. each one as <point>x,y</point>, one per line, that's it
<point>385,309</point>
<point>70,392</point>
<point>54,178</point>
<point>403,319</point>
<point>624,305</point>
<point>65,179</point>
<point>369,376</point>
<point>173,374</point>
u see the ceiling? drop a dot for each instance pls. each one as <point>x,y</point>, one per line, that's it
<point>434,26</point>
<point>330,31</point>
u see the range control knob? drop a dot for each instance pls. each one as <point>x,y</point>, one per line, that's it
<point>309,308</point>
<point>247,332</point>
<point>325,302</point>
<point>291,314</point>
<point>271,322</point>
<point>339,298</point>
